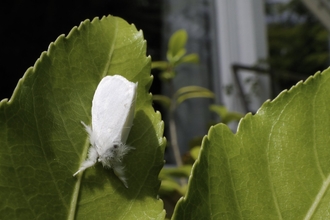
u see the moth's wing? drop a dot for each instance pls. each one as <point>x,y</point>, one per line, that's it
<point>111,107</point>
<point>129,119</point>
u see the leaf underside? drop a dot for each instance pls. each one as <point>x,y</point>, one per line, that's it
<point>277,165</point>
<point>42,142</point>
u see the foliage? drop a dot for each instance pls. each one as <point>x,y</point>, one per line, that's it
<point>275,167</point>
<point>174,179</point>
<point>43,143</point>
<point>225,115</point>
<point>176,55</point>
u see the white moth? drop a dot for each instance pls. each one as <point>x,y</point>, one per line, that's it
<point>112,117</point>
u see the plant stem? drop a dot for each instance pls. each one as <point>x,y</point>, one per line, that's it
<point>173,133</point>
<point>174,137</point>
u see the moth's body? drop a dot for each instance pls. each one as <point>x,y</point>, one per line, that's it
<point>112,117</point>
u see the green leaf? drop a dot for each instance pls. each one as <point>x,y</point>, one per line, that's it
<point>170,179</point>
<point>194,152</point>
<point>225,115</point>
<point>190,58</point>
<point>169,186</point>
<point>167,75</point>
<point>162,65</point>
<point>175,59</point>
<point>219,109</point>
<point>232,116</point>
<point>277,165</point>
<point>189,92</point>
<point>42,142</point>
<point>177,43</point>
<point>182,171</point>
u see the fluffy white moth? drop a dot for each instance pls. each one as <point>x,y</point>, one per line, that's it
<point>112,117</point>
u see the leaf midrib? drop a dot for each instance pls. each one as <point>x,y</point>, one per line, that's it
<point>74,201</point>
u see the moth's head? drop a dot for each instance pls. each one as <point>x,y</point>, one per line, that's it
<point>110,155</point>
<point>113,153</point>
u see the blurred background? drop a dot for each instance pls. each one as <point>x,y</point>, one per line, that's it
<point>249,50</point>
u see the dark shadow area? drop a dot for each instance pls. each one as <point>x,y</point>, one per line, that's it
<point>28,27</point>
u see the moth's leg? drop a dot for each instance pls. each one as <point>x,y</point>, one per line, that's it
<point>92,138</point>
<point>119,170</point>
<point>90,161</point>
<point>87,128</point>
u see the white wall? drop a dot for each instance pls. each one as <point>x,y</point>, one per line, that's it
<point>241,35</point>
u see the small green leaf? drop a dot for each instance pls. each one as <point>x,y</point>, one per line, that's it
<point>175,60</point>
<point>167,75</point>
<point>170,177</point>
<point>277,165</point>
<point>189,92</point>
<point>225,115</point>
<point>169,186</point>
<point>188,89</point>
<point>190,58</point>
<point>221,110</point>
<point>177,42</point>
<point>42,142</point>
<point>162,65</point>
<point>194,95</point>
<point>182,171</point>
<point>194,152</point>
<point>232,116</point>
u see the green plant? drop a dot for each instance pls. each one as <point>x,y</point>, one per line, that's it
<point>42,142</point>
<point>174,179</point>
<point>225,115</point>
<point>275,167</point>
<point>176,55</point>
